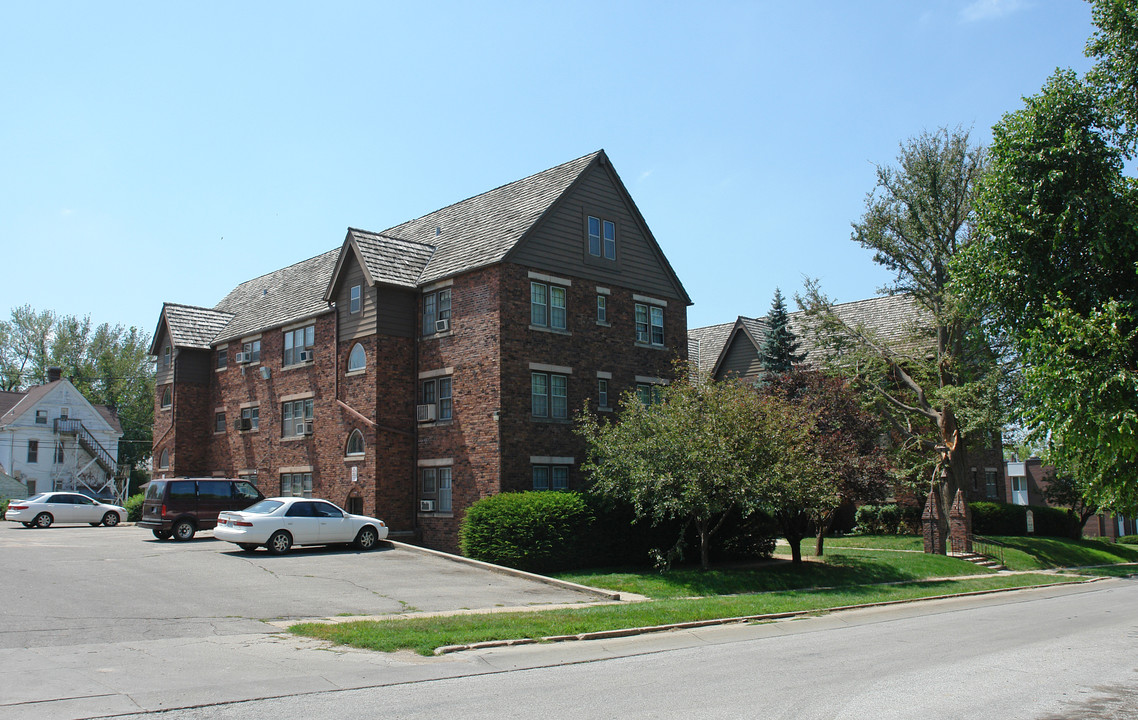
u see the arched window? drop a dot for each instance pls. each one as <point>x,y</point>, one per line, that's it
<point>167,397</point>
<point>356,443</point>
<point>357,358</point>
<point>164,461</point>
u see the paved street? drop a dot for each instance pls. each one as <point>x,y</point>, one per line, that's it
<point>109,620</point>
<point>1038,654</point>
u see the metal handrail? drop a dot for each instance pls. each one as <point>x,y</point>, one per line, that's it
<point>988,547</point>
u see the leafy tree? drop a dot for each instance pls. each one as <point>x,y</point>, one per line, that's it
<point>1055,274</point>
<point>704,450</point>
<point>779,352</point>
<point>1115,75</point>
<point>844,439</point>
<point>25,352</point>
<point>941,385</point>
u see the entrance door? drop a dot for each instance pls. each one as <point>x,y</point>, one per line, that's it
<point>1019,490</point>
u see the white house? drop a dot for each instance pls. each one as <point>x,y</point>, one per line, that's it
<point>52,438</point>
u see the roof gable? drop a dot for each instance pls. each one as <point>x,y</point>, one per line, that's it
<point>385,260</point>
<point>58,393</point>
<point>480,231</point>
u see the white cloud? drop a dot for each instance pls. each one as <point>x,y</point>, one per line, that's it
<point>990,9</point>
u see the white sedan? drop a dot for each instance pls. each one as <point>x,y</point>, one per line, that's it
<point>281,522</point>
<point>63,507</point>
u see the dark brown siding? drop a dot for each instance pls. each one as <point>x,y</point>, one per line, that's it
<point>397,312</point>
<point>360,324</point>
<point>193,366</point>
<point>559,244</point>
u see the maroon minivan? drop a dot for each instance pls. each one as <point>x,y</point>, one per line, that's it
<point>179,507</point>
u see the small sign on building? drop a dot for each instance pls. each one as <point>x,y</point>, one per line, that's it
<point>1030,521</point>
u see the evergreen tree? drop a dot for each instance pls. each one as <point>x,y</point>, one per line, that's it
<point>779,352</point>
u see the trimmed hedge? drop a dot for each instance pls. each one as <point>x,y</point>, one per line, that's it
<point>889,519</point>
<point>536,531</point>
<point>991,518</point>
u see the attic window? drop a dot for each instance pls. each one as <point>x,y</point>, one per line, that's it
<point>354,303</point>
<point>601,237</point>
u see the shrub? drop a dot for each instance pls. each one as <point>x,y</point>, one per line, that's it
<point>1129,540</point>
<point>536,531</point>
<point>868,520</point>
<point>3,506</point>
<point>133,507</point>
<point>889,517</point>
<point>991,518</point>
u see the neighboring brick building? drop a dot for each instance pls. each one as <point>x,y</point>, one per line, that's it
<point>1028,480</point>
<point>409,373</point>
<point>732,350</point>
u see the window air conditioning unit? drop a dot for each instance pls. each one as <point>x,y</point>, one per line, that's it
<point>426,506</point>
<point>442,325</point>
<point>243,424</point>
<point>240,357</point>
<point>298,429</point>
<point>307,428</point>
<point>425,413</point>
<point>304,356</point>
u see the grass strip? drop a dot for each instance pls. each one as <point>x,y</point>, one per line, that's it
<point>423,635</point>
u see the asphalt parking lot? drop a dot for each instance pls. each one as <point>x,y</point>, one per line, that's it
<point>88,612</point>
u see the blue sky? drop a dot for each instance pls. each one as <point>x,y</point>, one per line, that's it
<point>156,152</point>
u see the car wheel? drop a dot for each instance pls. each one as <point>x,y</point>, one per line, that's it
<point>247,547</point>
<point>183,530</point>
<point>367,538</point>
<point>111,519</point>
<point>279,543</point>
<point>43,520</point>
<point>161,534</point>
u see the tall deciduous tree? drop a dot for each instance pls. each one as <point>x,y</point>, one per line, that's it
<point>1115,74</point>
<point>1056,272</point>
<point>25,352</point>
<point>779,352</point>
<point>942,391</point>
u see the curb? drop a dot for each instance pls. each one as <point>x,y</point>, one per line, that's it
<point>502,570</point>
<point>629,632</point>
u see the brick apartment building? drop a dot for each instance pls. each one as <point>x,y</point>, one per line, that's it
<point>410,372</point>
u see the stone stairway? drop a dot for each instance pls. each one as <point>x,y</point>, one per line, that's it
<point>981,560</point>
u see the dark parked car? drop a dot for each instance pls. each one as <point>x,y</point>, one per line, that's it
<point>179,507</point>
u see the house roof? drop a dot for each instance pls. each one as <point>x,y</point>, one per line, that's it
<point>280,297</point>
<point>890,318</point>
<point>479,231</point>
<point>473,233</point>
<point>13,405</point>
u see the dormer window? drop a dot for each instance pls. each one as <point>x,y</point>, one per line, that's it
<point>354,302</point>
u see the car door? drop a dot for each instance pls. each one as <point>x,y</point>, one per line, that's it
<point>335,527</point>
<point>85,509</point>
<point>62,508</point>
<point>302,523</point>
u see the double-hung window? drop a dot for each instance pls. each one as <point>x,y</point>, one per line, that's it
<point>219,422</point>
<point>296,484</point>
<point>354,300</point>
<point>297,343</point>
<point>602,309</point>
<point>222,358</point>
<point>250,418</point>
<point>649,324</point>
<point>602,238</point>
<point>438,392</point>
<point>33,451</point>
<point>547,306</point>
<point>647,393</point>
<point>296,417</point>
<point>41,417</point>
<point>602,393</point>
<point>252,351</point>
<point>437,486</point>
<point>550,477</point>
<point>548,395</point>
<point>436,312</point>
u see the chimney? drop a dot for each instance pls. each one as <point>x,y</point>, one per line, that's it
<point>54,374</point>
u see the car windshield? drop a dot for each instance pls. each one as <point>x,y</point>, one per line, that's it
<point>264,507</point>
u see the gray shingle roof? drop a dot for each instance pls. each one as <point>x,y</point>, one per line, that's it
<point>392,261</point>
<point>193,327</point>
<point>480,231</point>
<point>890,318</point>
<point>474,233</point>
<point>283,296</point>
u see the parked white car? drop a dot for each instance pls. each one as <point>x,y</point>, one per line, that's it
<point>281,522</point>
<point>44,509</point>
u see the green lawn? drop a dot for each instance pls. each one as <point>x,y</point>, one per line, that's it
<point>853,571</point>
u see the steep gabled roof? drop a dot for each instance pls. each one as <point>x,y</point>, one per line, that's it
<point>13,405</point>
<point>8,400</point>
<point>189,326</point>
<point>480,231</point>
<point>28,399</point>
<point>386,260</point>
<point>280,297</point>
<point>892,319</point>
